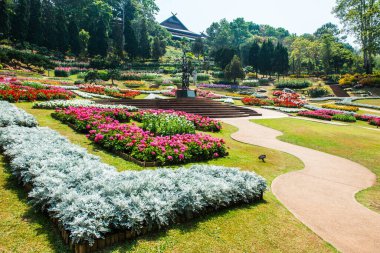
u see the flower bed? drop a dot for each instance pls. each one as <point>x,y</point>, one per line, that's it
<point>256,101</point>
<point>290,100</point>
<point>91,200</point>
<point>342,108</point>
<point>90,95</point>
<point>11,115</point>
<point>283,109</point>
<point>134,84</point>
<point>105,129</point>
<point>108,91</point>
<point>201,123</point>
<point>16,93</point>
<point>315,115</point>
<point>79,103</point>
<point>375,122</point>
<point>222,86</point>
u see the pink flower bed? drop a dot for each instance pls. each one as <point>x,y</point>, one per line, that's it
<point>104,129</point>
<point>290,100</point>
<point>315,114</point>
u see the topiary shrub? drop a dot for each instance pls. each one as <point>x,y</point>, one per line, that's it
<point>317,92</point>
<point>344,117</point>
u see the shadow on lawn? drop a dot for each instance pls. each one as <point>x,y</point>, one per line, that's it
<point>33,215</point>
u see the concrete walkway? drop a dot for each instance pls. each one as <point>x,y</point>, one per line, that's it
<point>322,195</point>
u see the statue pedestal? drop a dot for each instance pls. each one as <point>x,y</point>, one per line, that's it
<point>186,94</point>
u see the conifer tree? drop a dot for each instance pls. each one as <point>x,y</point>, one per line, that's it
<point>131,44</point>
<point>234,70</point>
<point>144,45</point>
<point>35,25</point>
<point>4,19</point>
<point>20,20</point>
<point>158,48</point>
<point>62,33</point>
<point>74,37</point>
<point>254,57</point>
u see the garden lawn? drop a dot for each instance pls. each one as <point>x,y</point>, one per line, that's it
<point>368,101</point>
<point>352,142</point>
<point>263,227</point>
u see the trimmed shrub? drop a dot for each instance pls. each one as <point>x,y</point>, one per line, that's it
<point>293,84</point>
<point>203,77</point>
<point>167,124</point>
<point>317,92</point>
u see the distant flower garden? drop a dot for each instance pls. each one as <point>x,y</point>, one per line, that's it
<point>108,91</point>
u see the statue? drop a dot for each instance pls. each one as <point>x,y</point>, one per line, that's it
<point>185,92</point>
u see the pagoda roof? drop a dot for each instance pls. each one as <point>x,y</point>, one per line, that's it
<point>178,29</point>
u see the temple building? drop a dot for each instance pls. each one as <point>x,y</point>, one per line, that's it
<point>178,29</point>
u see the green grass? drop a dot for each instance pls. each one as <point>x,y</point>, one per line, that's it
<point>263,227</point>
<point>352,142</point>
<point>369,101</point>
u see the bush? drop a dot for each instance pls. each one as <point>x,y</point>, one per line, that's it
<point>167,124</point>
<point>203,77</point>
<point>61,73</point>
<point>28,58</point>
<point>150,76</point>
<point>264,82</point>
<point>218,74</point>
<point>293,84</point>
<point>251,83</point>
<point>317,92</point>
<point>104,75</point>
<point>344,117</point>
<point>370,81</point>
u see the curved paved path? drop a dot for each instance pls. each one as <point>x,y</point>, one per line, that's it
<point>322,195</point>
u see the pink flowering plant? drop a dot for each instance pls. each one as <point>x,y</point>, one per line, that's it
<point>106,128</point>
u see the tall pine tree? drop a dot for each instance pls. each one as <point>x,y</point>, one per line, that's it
<point>20,20</point>
<point>35,25</point>
<point>131,44</point>
<point>144,45</point>
<point>74,37</point>
<point>62,33</point>
<point>4,19</point>
<point>254,57</point>
<point>49,29</point>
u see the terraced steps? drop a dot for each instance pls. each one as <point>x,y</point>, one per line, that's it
<point>204,107</point>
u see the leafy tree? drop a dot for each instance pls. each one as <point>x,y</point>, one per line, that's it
<point>362,18</point>
<point>223,56</point>
<point>84,37</point>
<point>4,18</point>
<point>254,53</point>
<point>158,48</point>
<point>328,28</point>
<point>198,47</point>
<point>234,70</point>
<point>144,45</point>
<point>74,42</point>
<point>35,25</point>
<point>20,20</point>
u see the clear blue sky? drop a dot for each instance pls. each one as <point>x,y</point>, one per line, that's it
<point>297,16</point>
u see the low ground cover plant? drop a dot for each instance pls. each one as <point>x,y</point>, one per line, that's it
<point>11,115</point>
<point>90,199</point>
<point>79,103</point>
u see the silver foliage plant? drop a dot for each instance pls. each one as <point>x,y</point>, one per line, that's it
<point>11,115</point>
<point>91,198</point>
<point>53,104</point>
